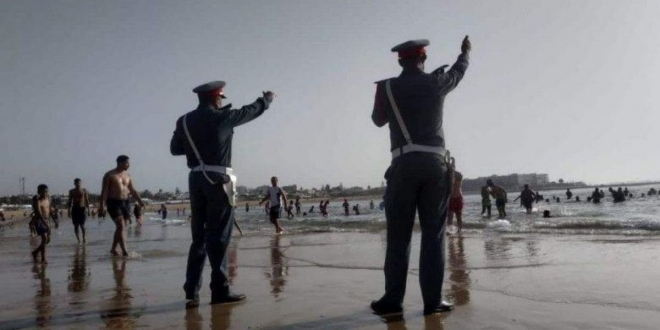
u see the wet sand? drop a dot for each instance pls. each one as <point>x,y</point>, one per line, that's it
<point>326,280</point>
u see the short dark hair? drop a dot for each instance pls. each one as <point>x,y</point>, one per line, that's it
<point>122,158</point>
<point>76,180</point>
<point>42,187</point>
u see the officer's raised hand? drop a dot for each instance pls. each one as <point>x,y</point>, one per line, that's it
<point>466,46</point>
<point>269,95</point>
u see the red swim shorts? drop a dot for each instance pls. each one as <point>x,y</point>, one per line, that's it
<point>456,204</point>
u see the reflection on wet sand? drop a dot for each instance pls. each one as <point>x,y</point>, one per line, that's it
<point>194,320</point>
<point>279,267</point>
<point>497,248</point>
<point>459,275</point>
<point>232,262</point>
<point>119,313</point>
<point>42,300</point>
<point>221,316</point>
<point>79,275</point>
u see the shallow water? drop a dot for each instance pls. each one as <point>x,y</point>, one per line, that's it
<point>637,216</point>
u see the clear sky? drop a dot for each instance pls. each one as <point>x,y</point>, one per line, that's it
<point>568,88</point>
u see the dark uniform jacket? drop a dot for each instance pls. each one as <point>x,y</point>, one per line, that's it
<point>212,131</point>
<point>420,97</point>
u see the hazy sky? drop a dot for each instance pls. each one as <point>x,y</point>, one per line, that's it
<point>568,88</point>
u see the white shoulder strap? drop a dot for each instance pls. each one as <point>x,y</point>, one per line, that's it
<point>397,113</point>
<point>192,145</point>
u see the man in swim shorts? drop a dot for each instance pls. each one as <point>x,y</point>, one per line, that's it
<point>117,186</point>
<point>500,197</point>
<point>78,208</point>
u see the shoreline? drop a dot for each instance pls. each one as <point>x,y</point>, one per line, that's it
<point>326,281</point>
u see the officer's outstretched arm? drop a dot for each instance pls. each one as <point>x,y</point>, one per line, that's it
<point>448,81</point>
<point>252,111</point>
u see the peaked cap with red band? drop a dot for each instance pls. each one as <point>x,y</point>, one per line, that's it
<point>213,88</point>
<point>411,48</point>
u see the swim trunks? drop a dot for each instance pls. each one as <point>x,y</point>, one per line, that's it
<point>527,204</point>
<point>41,227</point>
<point>274,212</point>
<point>456,204</point>
<point>117,208</point>
<point>485,202</point>
<point>500,202</point>
<point>78,215</point>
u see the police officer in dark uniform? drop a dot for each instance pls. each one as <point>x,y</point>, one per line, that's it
<point>204,135</point>
<point>418,179</point>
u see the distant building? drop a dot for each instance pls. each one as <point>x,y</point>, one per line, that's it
<point>242,190</point>
<point>290,189</point>
<point>511,181</point>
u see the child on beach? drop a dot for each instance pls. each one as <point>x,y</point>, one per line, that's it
<point>41,207</point>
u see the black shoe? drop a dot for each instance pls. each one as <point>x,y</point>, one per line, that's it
<point>441,308</point>
<point>230,298</point>
<point>384,308</point>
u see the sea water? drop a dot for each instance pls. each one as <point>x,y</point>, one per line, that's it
<point>636,216</point>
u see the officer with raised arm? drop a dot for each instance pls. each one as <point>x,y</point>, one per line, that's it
<point>204,135</point>
<point>418,179</point>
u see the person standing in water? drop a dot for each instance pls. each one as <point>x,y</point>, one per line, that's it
<point>346,206</point>
<point>78,208</point>
<point>277,198</point>
<point>456,202</point>
<point>500,197</point>
<point>485,201</point>
<point>527,198</point>
<point>569,194</point>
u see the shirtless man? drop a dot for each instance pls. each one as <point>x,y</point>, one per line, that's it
<point>500,197</point>
<point>117,185</point>
<point>41,208</point>
<point>527,197</point>
<point>78,208</point>
<point>456,202</point>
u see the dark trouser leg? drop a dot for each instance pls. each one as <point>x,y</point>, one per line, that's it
<point>432,203</point>
<point>197,252</point>
<point>400,206</point>
<point>219,226</point>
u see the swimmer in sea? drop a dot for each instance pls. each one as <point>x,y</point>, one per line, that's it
<point>456,202</point>
<point>527,198</point>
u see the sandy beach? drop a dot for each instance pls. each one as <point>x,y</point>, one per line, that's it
<point>326,280</point>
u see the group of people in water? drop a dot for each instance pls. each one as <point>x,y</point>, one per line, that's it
<point>275,201</point>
